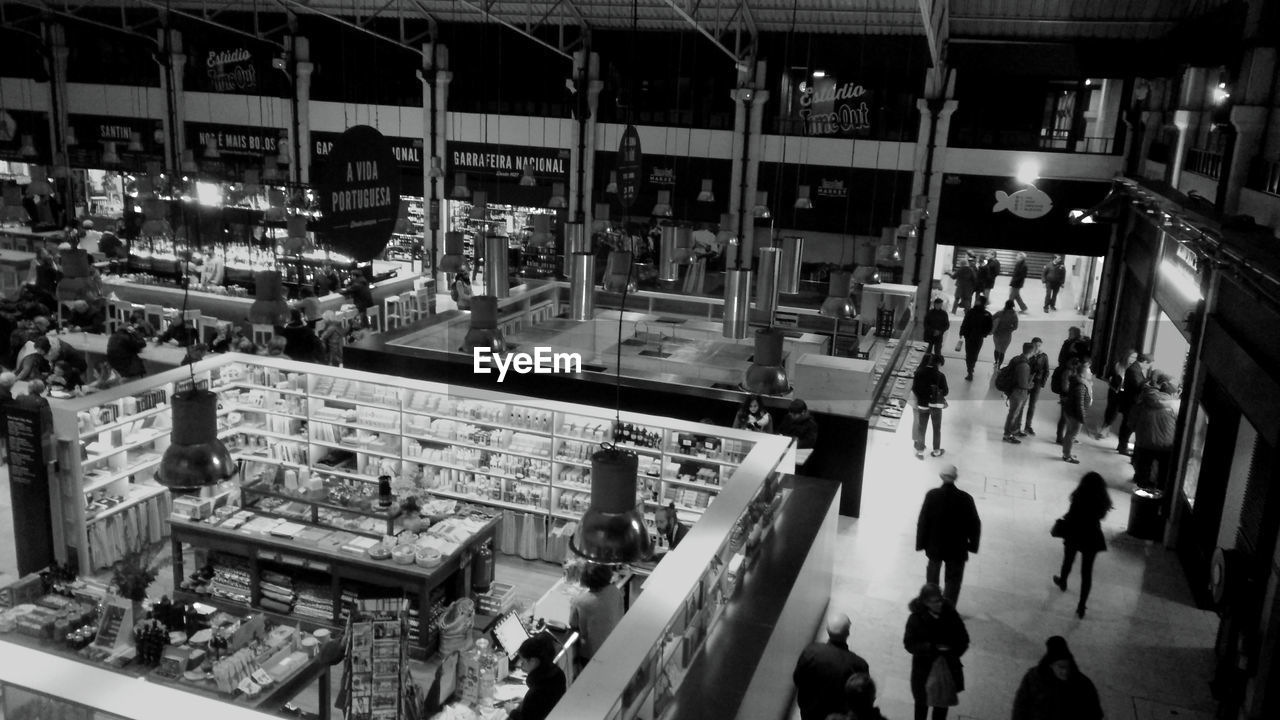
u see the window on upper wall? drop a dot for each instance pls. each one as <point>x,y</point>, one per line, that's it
<point>105,57</point>
<point>1017,113</point>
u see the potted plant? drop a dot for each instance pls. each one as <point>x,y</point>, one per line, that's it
<point>132,575</point>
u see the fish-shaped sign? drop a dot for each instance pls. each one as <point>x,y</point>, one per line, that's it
<point>1028,203</point>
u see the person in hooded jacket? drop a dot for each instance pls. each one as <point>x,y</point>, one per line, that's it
<point>934,630</point>
<point>929,389</point>
<point>936,324</point>
<point>546,681</point>
<point>1055,689</point>
<point>1154,418</point>
<point>859,699</point>
<point>975,327</point>
<point>799,424</point>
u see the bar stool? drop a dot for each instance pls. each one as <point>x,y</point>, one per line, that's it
<point>374,313</point>
<point>207,328</point>
<point>154,315</point>
<point>397,310</point>
<point>263,334</point>
<point>422,298</point>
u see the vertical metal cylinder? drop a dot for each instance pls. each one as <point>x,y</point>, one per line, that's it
<point>668,260</point>
<point>495,266</point>
<point>737,302</point>
<point>582,293</point>
<point>684,243</point>
<point>617,274</point>
<point>767,282</point>
<point>575,241</point>
<point>789,265</point>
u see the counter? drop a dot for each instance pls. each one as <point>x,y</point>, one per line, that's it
<point>28,240</point>
<point>94,346</point>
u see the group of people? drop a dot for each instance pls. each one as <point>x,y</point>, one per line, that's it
<point>797,423</point>
<point>977,277</point>
<point>1147,402</point>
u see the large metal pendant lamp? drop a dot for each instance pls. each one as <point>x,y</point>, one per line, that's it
<point>737,302</point>
<point>789,265</point>
<point>767,375</point>
<point>582,293</point>
<point>612,530</point>
<point>453,260</point>
<point>495,266</point>
<point>269,306</point>
<point>617,274</point>
<point>195,457</point>
<point>837,305</point>
<point>484,332</point>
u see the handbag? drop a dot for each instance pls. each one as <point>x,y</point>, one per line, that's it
<point>940,687</point>
<point>1059,529</point>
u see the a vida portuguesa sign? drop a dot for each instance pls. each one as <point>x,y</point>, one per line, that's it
<point>360,194</point>
<point>830,108</point>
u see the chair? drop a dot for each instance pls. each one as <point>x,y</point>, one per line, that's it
<point>263,334</point>
<point>117,314</point>
<point>374,314</point>
<point>422,298</point>
<point>154,315</point>
<point>207,328</point>
<point>397,310</point>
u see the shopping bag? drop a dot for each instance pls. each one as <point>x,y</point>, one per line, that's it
<point>940,688</point>
<point>1059,528</point>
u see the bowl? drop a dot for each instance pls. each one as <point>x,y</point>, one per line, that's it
<point>429,557</point>
<point>403,555</point>
<point>379,552</point>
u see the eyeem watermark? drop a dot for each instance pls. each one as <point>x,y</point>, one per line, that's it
<point>542,361</point>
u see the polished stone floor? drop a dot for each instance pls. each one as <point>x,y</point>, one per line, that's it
<point>1143,642</point>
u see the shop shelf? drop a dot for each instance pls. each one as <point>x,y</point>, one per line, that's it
<point>132,445</point>
<point>259,430</point>
<point>126,421</point>
<point>698,485</point>
<point>699,458</point>
<point>353,401</point>
<point>475,421</point>
<point>357,449</point>
<point>135,496</point>
<point>230,408</point>
<point>267,388</point>
<point>489,501</point>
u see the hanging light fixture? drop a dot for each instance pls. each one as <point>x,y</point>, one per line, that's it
<point>727,240</point>
<point>270,168</point>
<point>460,187</point>
<point>484,332</point>
<point>767,375</point>
<point>195,457</point>
<point>612,530</point>
<point>436,171</point>
<point>542,236</point>
<point>282,149</point>
<point>211,150</point>
<point>737,302</point>
<point>269,306</point>
<point>557,196</point>
<point>59,169</point>
<point>527,178</point>
<point>761,208</point>
<point>612,187</point>
<point>707,194</point>
<point>190,167</point>
<point>802,198</point>
<point>109,155</point>
<point>135,142</point>
<point>663,206</point>
<point>789,265</point>
<point>479,205</point>
<point>575,241</point>
<point>28,147</point>
<point>837,305</point>
<point>71,136</point>
<point>617,273</point>
<point>453,260</point>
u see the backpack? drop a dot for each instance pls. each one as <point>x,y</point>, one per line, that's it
<point>1007,378</point>
<point>1059,381</point>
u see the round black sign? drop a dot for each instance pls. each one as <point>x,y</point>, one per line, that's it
<point>360,194</point>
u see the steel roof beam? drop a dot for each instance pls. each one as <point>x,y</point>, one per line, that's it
<point>123,27</point>
<point>484,11</point>
<point>210,21</point>
<point>353,25</point>
<point>737,61</point>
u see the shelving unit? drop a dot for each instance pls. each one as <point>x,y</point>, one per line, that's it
<point>403,245</point>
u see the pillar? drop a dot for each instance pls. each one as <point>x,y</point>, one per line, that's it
<point>56,37</point>
<point>594,87</point>
<point>935,128</point>
<point>755,148</point>
<point>1187,118</point>
<point>302,109</point>
<point>171,84</point>
<point>1252,91</point>
<point>440,149</point>
<point>742,99</point>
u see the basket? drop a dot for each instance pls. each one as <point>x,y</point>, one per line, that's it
<point>500,598</point>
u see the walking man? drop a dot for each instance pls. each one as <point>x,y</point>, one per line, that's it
<point>936,324</point>
<point>822,670</point>
<point>1039,362</point>
<point>929,389</point>
<point>1018,395</point>
<point>948,530</point>
<point>989,271</point>
<point>1018,279</point>
<point>975,327</point>
<point>1054,275</point>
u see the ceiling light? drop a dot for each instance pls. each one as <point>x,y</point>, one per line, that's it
<point>663,207</point>
<point>195,457</point>
<point>612,530</point>
<point>460,189</point>
<point>436,170</point>
<point>28,148</point>
<point>557,196</point>
<point>802,198</point>
<point>1028,172</point>
<point>70,137</point>
<point>109,155</point>
<point>211,150</point>
<point>761,209</point>
<point>135,142</point>
<point>707,194</point>
<point>819,74</point>
<point>189,165</point>
<point>612,187</point>
<point>526,176</point>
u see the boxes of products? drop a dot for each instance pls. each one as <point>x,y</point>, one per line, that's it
<point>499,599</point>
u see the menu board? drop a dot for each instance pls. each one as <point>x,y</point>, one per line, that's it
<point>26,444</point>
<point>116,619</point>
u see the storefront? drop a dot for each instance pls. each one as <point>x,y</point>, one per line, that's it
<point>106,148</point>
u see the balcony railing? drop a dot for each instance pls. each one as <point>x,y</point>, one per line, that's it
<point>1051,141</point>
<point>1204,162</point>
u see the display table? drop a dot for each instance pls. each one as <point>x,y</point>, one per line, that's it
<point>94,347</point>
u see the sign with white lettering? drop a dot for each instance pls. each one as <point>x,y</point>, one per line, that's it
<point>230,70</point>
<point>409,153</point>
<point>360,194</point>
<point>508,161</point>
<point>235,141</point>
<point>830,107</point>
<point>92,131</point>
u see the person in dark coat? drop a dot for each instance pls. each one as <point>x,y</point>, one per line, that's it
<point>975,327</point>
<point>934,630</point>
<point>1075,407</point>
<point>988,273</point>
<point>1082,533</point>
<point>546,681</point>
<point>1055,689</point>
<point>1154,421</point>
<point>966,284</point>
<point>1135,378</point>
<point>670,529</point>
<point>822,670</point>
<point>1073,347</point>
<point>799,424</point>
<point>1017,397</point>
<point>860,699</point>
<point>929,389</point>
<point>936,324</point>
<point>1003,323</point>
<point>361,296</point>
<point>1039,366</point>
<point>1115,385</point>
<point>301,342</point>
<point>947,530</point>
<point>123,348</point>
<point>1053,275</point>
<point>1017,280</point>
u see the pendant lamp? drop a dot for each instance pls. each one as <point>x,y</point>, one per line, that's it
<point>668,254</point>
<point>575,241</point>
<point>663,206</point>
<point>767,375</point>
<point>582,292</point>
<point>761,208</point>
<point>737,302</point>
<point>767,282</point>
<point>789,265</point>
<point>837,305</point>
<point>612,187</point>
<point>195,457</point>
<point>453,260</point>
<point>436,171</point>
<point>484,332</point>
<point>59,169</point>
<point>460,189</point>
<point>211,150</point>
<point>602,218</point>
<point>802,198</point>
<point>190,167</point>
<point>707,194</point>
<point>282,150</point>
<point>479,205</point>
<point>28,147</point>
<point>135,142</point>
<point>612,530</point>
<point>71,136</point>
<point>495,266</point>
<point>109,155</point>
<point>527,178</point>
<point>269,306</point>
<point>542,236</point>
<point>557,196</point>
<point>617,273</point>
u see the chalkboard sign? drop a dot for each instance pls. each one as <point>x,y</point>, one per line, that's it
<point>115,628</point>
<point>26,445</point>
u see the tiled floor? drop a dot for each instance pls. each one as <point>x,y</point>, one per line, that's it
<point>1143,643</point>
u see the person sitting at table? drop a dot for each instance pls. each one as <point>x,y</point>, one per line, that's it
<point>361,296</point>
<point>87,315</point>
<point>308,304</point>
<point>300,339</point>
<point>670,529</point>
<point>594,613</point>
<point>799,424</point>
<point>138,321</point>
<point>65,378</point>
<point>546,681</point>
<point>123,351</point>
<point>179,332</point>
<point>33,360</point>
<point>222,342</point>
<point>195,353</point>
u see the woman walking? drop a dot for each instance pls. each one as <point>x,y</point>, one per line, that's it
<point>1082,533</point>
<point>934,631</point>
<point>1003,325</point>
